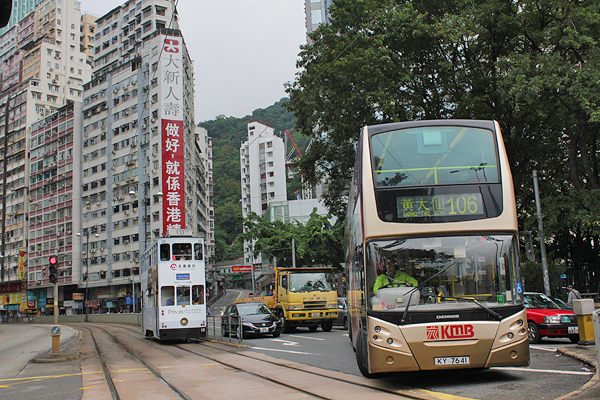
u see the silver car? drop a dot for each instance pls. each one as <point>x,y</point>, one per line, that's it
<point>342,318</point>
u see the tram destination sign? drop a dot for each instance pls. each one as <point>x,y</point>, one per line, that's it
<point>458,204</point>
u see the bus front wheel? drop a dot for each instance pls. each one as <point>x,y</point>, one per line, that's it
<point>362,355</point>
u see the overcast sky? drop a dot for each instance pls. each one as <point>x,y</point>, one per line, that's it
<point>243,50</point>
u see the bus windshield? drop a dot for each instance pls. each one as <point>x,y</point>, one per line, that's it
<point>459,269</point>
<point>434,155</point>
<point>311,281</point>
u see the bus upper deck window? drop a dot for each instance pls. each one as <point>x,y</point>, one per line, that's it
<point>182,251</point>
<point>198,251</point>
<point>165,252</point>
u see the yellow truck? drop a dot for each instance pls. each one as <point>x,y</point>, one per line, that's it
<point>303,296</point>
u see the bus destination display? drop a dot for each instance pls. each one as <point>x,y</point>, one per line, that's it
<point>440,205</point>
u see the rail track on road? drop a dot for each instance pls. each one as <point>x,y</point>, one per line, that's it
<point>135,366</point>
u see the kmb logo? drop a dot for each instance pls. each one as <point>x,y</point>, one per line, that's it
<point>450,332</point>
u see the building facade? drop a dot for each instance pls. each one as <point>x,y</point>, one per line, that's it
<point>262,163</point>
<point>146,167</point>
<point>317,13</point>
<point>42,71</point>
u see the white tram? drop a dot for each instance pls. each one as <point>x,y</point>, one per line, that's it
<point>173,289</point>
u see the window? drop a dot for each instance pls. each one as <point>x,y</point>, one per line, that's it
<point>167,295</point>
<point>198,251</point>
<point>182,251</point>
<point>197,294</point>
<point>183,295</point>
<point>165,252</point>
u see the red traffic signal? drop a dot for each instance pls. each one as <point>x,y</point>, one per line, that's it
<point>52,270</point>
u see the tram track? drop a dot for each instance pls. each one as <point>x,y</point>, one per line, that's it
<point>304,380</point>
<point>109,367</point>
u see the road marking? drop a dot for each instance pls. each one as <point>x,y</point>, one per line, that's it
<point>286,342</point>
<point>306,337</point>
<point>284,351</point>
<point>550,349</point>
<point>544,371</point>
<point>435,395</point>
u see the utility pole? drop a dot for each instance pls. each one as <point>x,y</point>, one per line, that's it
<point>541,228</point>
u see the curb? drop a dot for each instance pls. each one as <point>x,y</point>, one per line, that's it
<point>592,362</point>
<point>68,355</point>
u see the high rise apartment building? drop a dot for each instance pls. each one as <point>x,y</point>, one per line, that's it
<point>20,9</point>
<point>146,166</point>
<point>42,70</point>
<point>98,165</point>
<point>317,13</point>
<point>262,163</point>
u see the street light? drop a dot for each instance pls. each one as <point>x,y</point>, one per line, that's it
<point>87,269</point>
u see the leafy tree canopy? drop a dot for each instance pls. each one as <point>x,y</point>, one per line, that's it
<point>531,65</point>
<point>316,243</point>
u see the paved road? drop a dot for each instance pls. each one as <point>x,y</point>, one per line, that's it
<point>549,376</point>
<point>20,379</point>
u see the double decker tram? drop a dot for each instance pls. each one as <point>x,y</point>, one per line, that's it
<point>432,251</point>
<point>173,289</point>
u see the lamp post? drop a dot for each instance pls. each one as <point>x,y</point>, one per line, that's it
<point>87,269</point>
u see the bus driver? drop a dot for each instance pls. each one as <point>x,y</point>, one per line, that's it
<point>392,276</point>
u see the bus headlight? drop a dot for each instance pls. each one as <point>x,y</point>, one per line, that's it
<point>295,307</point>
<point>332,305</point>
<point>184,321</point>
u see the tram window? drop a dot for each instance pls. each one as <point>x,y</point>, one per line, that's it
<point>197,294</point>
<point>198,251</point>
<point>182,251</point>
<point>167,296</point>
<point>183,295</point>
<point>165,252</point>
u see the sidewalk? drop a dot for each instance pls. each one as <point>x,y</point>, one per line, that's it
<point>587,354</point>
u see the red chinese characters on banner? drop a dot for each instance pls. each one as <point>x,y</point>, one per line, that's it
<point>173,175</point>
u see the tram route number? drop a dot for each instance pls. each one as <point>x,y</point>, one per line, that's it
<point>452,360</point>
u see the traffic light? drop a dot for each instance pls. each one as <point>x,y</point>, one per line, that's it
<point>52,270</point>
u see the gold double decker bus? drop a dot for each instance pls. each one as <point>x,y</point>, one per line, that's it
<point>432,253</point>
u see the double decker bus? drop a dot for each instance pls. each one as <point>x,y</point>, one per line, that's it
<point>173,288</point>
<point>436,200</point>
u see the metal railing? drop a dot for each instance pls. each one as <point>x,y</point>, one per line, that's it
<point>216,328</point>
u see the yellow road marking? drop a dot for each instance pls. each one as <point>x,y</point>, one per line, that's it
<point>438,395</point>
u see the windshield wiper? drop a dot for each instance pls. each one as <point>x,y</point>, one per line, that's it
<point>489,310</point>
<point>422,284</point>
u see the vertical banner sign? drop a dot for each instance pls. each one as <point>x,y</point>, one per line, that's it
<point>173,152</point>
<point>21,264</point>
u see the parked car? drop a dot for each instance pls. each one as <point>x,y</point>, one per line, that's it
<point>562,304</point>
<point>546,318</point>
<point>256,318</point>
<point>342,318</point>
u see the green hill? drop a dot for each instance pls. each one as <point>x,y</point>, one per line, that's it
<point>227,134</point>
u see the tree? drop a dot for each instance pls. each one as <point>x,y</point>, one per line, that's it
<point>317,243</point>
<point>531,65</point>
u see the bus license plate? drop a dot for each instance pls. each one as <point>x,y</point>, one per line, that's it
<point>316,315</point>
<point>573,330</point>
<point>452,360</point>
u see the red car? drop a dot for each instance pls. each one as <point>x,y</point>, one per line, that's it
<point>546,318</point>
